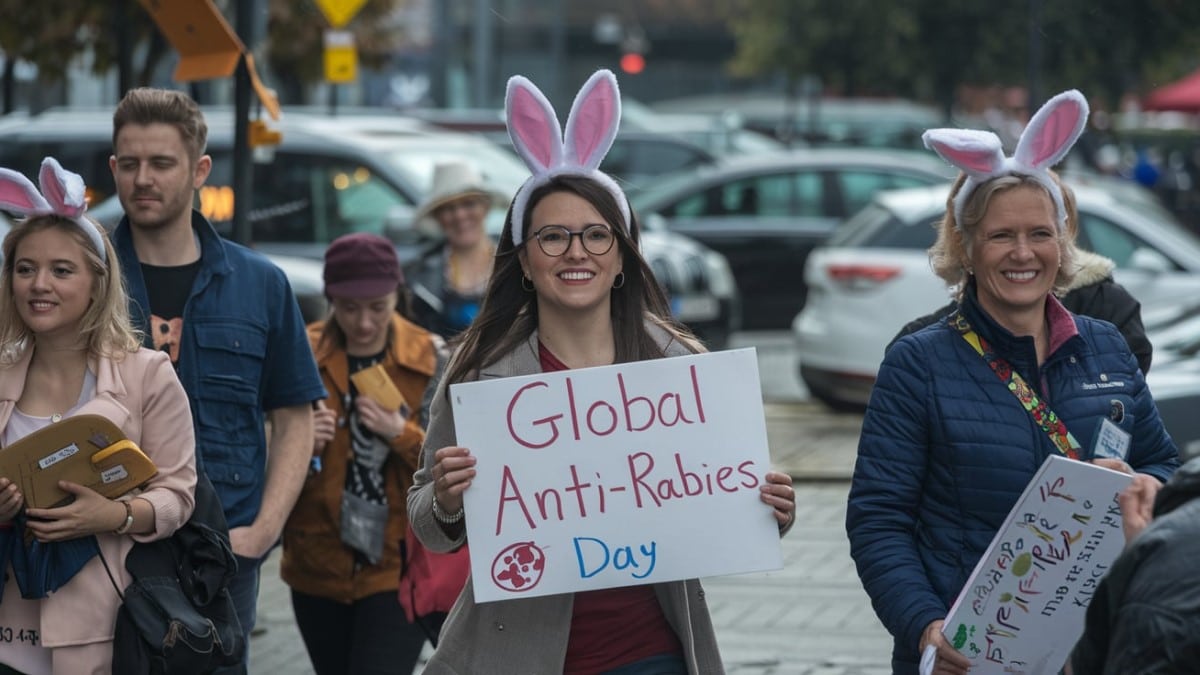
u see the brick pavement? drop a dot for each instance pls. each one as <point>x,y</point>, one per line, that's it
<point>809,618</point>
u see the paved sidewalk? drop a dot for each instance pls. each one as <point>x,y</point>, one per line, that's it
<point>810,618</point>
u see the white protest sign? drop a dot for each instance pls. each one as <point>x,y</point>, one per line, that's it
<point>1022,610</point>
<point>629,474</point>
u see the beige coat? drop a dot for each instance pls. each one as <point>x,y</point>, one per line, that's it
<point>142,395</point>
<point>530,635</point>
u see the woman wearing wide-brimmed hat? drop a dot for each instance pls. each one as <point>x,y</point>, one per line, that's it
<point>448,281</point>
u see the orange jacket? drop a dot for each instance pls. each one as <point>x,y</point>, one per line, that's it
<point>315,561</point>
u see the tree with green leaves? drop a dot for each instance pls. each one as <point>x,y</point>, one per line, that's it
<point>927,49</point>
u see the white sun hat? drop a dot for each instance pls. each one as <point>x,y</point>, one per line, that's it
<point>451,181</point>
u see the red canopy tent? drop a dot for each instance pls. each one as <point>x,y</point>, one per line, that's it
<point>1182,95</point>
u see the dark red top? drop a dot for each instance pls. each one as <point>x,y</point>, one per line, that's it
<point>613,627</point>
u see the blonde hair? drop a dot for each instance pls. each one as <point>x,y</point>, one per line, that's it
<point>105,327</point>
<point>950,255</point>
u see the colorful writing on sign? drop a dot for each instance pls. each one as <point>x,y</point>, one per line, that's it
<point>569,464</point>
<point>1066,531</point>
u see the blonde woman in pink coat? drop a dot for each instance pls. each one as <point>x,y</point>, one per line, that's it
<point>66,348</point>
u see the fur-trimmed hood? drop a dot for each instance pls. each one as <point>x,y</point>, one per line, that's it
<point>1090,268</point>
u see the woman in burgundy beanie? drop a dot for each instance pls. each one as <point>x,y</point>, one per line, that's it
<point>342,543</point>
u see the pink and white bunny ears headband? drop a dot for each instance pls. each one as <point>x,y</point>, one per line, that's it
<point>62,194</point>
<point>1051,132</point>
<point>548,152</point>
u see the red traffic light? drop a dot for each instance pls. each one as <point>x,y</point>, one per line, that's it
<point>633,63</point>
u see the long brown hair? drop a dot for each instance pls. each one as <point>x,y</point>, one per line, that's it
<point>508,313</point>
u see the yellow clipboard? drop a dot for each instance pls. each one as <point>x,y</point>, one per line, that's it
<point>375,383</point>
<point>86,449</point>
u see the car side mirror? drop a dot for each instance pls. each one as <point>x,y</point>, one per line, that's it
<point>398,224</point>
<point>1149,260</point>
<point>654,222</point>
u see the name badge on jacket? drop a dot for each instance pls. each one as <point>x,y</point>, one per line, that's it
<point>1112,442</point>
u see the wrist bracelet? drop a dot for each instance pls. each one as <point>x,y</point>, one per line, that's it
<point>443,517</point>
<point>128,518</point>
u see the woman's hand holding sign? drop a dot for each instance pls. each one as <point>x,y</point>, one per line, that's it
<point>453,471</point>
<point>777,491</point>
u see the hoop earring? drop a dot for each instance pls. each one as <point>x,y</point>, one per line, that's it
<point>526,284</point>
<point>620,280</point>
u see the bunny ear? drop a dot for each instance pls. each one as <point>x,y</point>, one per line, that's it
<point>532,125</point>
<point>594,119</point>
<point>63,189</point>
<point>1052,131</point>
<point>975,152</point>
<point>17,194</point>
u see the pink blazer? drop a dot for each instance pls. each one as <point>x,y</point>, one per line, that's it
<point>142,395</point>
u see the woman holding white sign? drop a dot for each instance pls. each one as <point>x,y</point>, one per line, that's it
<point>570,290</point>
<point>960,418</point>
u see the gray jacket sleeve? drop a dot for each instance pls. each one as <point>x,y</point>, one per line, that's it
<point>439,434</point>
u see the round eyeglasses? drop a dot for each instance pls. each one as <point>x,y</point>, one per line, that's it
<point>554,240</point>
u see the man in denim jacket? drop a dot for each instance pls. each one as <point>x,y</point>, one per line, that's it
<point>228,319</point>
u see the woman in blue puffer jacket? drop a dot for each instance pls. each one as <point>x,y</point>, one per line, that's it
<point>946,448</point>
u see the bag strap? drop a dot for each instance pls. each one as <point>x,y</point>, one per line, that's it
<point>111,578</point>
<point>1042,414</point>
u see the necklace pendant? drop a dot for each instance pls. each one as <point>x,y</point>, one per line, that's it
<point>56,417</point>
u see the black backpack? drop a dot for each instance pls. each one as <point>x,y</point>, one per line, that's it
<point>177,616</point>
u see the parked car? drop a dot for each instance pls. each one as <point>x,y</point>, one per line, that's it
<point>1175,385</point>
<point>648,145</point>
<point>324,180</point>
<point>873,276</point>
<point>638,158</point>
<point>857,122</point>
<point>1175,378</point>
<point>719,133</point>
<point>765,213</point>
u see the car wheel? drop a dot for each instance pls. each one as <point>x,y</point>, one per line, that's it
<point>837,405</point>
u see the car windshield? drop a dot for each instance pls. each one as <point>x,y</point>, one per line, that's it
<point>656,191</point>
<point>877,227</point>
<point>500,168</point>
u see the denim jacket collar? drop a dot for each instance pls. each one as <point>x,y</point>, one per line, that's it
<point>213,262</point>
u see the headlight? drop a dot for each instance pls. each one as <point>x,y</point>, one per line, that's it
<point>720,277</point>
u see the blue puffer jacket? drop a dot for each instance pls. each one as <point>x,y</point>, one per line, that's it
<point>946,450</point>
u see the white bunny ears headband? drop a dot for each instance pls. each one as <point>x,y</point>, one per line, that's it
<point>62,194</point>
<point>548,152</point>
<point>1051,132</point>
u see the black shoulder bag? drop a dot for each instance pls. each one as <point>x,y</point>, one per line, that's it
<point>177,616</point>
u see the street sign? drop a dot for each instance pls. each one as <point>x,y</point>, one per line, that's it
<point>341,57</point>
<point>339,12</point>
